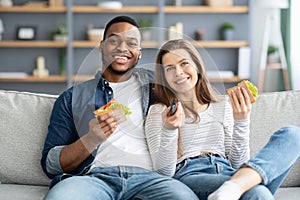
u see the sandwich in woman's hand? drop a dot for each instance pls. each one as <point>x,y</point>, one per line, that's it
<point>250,88</point>
<point>119,110</point>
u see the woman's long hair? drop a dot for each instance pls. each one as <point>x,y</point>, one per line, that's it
<point>163,92</point>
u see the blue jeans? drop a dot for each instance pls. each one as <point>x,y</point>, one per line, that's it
<point>273,162</point>
<point>120,183</point>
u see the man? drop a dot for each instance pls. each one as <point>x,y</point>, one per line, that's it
<point>90,158</point>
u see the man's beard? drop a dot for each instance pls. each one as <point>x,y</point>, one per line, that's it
<point>110,68</point>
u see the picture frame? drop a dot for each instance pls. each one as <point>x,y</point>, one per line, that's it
<point>26,33</point>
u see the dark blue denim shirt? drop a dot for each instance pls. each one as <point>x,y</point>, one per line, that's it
<point>74,108</point>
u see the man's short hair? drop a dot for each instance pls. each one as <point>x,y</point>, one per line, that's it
<point>119,19</point>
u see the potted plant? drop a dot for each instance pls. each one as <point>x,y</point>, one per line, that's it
<point>227,30</point>
<point>145,25</point>
<point>60,33</point>
<point>272,54</point>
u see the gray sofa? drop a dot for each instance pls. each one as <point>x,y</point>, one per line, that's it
<point>24,119</point>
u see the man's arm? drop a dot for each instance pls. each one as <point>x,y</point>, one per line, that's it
<point>64,150</point>
<point>99,130</point>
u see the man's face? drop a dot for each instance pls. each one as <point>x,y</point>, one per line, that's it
<point>121,48</point>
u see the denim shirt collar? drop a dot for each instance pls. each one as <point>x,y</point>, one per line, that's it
<point>145,78</point>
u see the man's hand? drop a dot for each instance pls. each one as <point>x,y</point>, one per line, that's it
<point>102,127</point>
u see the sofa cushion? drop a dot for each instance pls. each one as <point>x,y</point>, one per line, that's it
<point>290,193</point>
<point>272,111</point>
<point>22,192</point>
<point>24,121</point>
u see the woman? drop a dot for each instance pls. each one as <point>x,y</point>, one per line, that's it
<point>207,138</point>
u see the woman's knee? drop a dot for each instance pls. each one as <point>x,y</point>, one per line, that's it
<point>292,133</point>
<point>259,192</point>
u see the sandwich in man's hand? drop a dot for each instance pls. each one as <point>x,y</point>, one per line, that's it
<point>119,110</point>
<point>250,88</point>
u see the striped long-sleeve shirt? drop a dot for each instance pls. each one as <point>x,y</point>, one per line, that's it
<point>216,132</point>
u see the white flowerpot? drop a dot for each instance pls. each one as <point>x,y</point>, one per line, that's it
<point>61,38</point>
<point>273,58</point>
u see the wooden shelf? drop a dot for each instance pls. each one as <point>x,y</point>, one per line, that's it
<point>34,44</point>
<point>85,44</point>
<point>92,44</point>
<point>220,44</point>
<point>127,9</point>
<point>206,9</point>
<point>51,78</point>
<point>81,78</point>
<point>274,65</point>
<point>33,9</point>
<point>226,80</point>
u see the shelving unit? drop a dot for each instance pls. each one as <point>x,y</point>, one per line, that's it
<point>205,9</point>
<point>126,9</point>
<point>70,11</point>
<point>33,44</point>
<point>52,78</point>
<point>32,9</point>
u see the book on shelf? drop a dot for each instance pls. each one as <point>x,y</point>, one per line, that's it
<point>244,62</point>
<point>220,74</point>
<point>13,75</point>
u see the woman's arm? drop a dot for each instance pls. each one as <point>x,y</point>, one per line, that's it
<point>241,108</point>
<point>162,142</point>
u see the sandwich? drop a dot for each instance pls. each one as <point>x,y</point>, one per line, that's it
<point>119,110</point>
<point>250,88</point>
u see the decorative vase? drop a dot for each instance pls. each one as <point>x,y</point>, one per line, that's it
<point>228,34</point>
<point>61,38</point>
<point>273,58</point>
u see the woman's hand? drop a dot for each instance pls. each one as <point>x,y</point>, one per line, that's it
<point>176,120</point>
<point>241,104</point>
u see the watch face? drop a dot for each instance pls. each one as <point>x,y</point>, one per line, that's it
<point>26,33</point>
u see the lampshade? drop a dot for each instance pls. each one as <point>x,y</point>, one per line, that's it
<point>272,3</point>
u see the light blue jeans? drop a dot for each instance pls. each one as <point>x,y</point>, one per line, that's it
<point>273,162</point>
<point>112,183</point>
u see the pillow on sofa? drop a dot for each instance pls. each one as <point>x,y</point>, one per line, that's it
<point>24,122</point>
<point>272,111</point>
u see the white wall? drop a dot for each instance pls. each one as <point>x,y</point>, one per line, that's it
<point>295,41</point>
<point>273,80</point>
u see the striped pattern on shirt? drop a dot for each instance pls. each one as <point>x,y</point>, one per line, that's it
<point>216,132</point>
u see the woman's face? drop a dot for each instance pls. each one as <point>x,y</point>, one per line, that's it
<point>180,71</point>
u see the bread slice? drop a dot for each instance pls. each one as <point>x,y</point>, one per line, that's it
<point>244,85</point>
